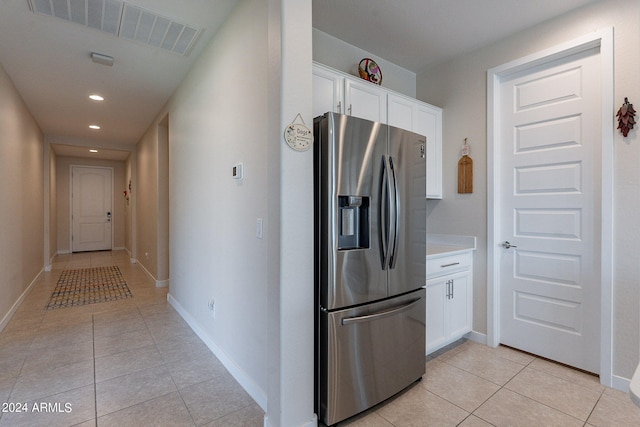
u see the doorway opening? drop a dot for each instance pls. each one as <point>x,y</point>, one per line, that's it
<point>601,171</point>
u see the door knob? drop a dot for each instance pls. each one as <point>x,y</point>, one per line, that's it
<point>508,245</point>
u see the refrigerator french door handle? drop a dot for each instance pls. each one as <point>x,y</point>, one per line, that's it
<point>379,315</point>
<point>394,205</point>
<point>385,212</point>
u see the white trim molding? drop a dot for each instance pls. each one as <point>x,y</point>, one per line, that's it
<point>159,283</point>
<point>245,380</point>
<point>602,39</point>
<point>7,318</point>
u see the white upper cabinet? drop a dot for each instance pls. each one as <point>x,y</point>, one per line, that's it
<point>400,112</point>
<point>428,122</point>
<point>365,100</point>
<point>419,117</point>
<point>328,95</point>
<point>341,93</point>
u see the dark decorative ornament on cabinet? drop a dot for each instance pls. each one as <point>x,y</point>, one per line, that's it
<point>370,71</point>
<point>626,117</point>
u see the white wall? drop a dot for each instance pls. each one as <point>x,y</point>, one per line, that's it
<point>291,326</point>
<point>231,108</point>
<point>345,57</point>
<point>53,206</point>
<point>218,118</point>
<point>151,201</point>
<point>21,198</point>
<point>459,86</point>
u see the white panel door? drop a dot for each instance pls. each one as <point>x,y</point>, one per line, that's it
<point>92,212</point>
<point>549,277</point>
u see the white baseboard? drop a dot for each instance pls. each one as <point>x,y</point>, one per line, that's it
<point>245,381</point>
<point>159,283</point>
<point>49,266</point>
<point>477,337</point>
<point>5,320</point>
<point>311,423</point>
<point>620,383</point>
<point>63,252</point>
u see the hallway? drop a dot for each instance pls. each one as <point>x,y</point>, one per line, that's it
<point>132,362</point>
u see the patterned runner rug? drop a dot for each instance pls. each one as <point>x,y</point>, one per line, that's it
<point>89,286</point>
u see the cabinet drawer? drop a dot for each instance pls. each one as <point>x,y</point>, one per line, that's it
<point>448,264</point>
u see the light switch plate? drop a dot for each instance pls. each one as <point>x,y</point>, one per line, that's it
<point>238,171</point>
<point>259,228</point>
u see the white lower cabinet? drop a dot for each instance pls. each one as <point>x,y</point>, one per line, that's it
<point>449,299</point>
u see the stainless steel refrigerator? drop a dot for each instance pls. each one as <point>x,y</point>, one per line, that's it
<point>370,241</point>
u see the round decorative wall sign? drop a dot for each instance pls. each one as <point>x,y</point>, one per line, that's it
<point>298,136</point>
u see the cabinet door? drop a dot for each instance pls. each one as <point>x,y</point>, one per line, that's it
<point>436,315</point>
<point>365,100</point>
<point>327,92</point>
<point>449,309</point>
<point>428,122</point>
<point>459,305</point>
<point>400,112</point>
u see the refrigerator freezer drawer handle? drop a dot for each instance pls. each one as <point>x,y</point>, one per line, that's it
<point>381,314</point>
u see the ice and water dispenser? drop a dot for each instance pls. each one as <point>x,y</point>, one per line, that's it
<point>353,222</point>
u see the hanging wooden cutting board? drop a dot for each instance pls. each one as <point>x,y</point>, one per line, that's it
<point>465,175</point>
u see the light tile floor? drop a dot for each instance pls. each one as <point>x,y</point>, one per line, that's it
<point>132,362</point>
<point>135,362</point>
<point>472,385</point>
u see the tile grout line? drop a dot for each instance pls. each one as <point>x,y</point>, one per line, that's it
<point>560,378</point>
<point>503,386</point>
<point>531,398</point>
<point>95,385</point>
<point>595,405</point>
<point>155,343</point>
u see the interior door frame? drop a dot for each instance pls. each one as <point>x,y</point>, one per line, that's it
<point>71,167</point>
<point>604,40</point>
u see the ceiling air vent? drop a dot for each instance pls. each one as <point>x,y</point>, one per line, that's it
<point>149,28</point>
<point>123,20</point>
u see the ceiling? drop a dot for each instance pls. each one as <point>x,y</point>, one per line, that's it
<point>431,31</point>
<point>49,59</point>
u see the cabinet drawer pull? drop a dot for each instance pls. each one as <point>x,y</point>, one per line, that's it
<point>450,265</point>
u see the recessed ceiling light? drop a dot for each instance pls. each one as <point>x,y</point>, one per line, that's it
<point>96,97</point>
<point>93,151</point>
<point>96,127</point>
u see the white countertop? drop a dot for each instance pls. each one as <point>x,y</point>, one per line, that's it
<point>438,244</point>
